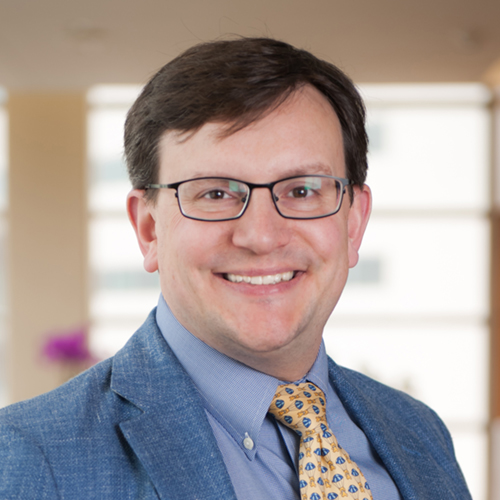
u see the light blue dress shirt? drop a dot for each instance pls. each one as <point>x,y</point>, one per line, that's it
<point>261,455</point>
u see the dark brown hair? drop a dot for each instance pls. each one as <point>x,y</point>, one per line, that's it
<point>236,82</point>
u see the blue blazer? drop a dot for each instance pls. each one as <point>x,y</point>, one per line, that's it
<point>134,426</point>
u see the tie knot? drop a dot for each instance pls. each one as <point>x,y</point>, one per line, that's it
<point>300,407</point>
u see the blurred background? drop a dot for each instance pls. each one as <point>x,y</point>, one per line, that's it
<point>421,311</point>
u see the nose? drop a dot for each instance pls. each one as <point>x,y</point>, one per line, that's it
<point>261,228</point>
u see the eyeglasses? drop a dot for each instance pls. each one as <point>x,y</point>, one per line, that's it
<point>221,199</point>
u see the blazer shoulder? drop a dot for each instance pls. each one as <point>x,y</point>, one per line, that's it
<point>409,437</point>
<point>385,396</point>
<point>31,430</point>
<point>87,397</point>
<point>68,442</point>
<point>62,402</point>
<point>366,398</point>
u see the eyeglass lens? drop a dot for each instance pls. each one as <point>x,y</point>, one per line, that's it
<point>298,197</point>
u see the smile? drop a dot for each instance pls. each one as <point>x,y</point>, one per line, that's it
<point>271,279</point>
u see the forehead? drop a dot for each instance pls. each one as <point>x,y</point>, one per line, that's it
<point>302,135</point>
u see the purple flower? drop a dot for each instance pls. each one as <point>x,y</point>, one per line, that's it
<point>67,346</point>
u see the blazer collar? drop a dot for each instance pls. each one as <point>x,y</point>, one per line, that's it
<point>171,436</point>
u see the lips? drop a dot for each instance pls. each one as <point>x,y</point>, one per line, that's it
<point>269,279</point>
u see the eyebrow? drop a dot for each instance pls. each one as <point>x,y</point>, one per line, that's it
<point>313,169</point>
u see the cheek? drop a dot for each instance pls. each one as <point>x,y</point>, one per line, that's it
<point>188,248</point>
<point>335,269</point>
<point>329,242</point>
<point>332,265</point>
<point>167,232</point>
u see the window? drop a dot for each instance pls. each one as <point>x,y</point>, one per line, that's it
<point>121,292</point>
<point>415,312</point>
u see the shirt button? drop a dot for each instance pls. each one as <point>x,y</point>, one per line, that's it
<point>248,442</point>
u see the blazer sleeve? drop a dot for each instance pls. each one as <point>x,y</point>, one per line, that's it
<point>24,470</point>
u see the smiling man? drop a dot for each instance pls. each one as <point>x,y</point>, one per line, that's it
<point>248,161</point>
<point>260,287</point>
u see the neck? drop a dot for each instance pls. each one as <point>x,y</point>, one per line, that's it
<point>284,366</point>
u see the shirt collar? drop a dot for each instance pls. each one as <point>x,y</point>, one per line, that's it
<point>237,396</point>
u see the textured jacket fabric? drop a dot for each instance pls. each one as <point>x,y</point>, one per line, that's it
<point>133,427</point>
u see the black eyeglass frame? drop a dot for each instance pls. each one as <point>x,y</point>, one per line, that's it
<point>251,186</point>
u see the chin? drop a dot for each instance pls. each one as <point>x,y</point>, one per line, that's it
<point>268,340</point>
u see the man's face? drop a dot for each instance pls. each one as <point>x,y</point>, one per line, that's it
<point>275,328</point>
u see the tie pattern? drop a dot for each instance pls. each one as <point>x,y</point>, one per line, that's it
<point>326,471</point>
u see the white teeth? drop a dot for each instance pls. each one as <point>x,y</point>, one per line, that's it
<point>271,279</point>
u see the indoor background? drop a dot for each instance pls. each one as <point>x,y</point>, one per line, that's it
<point>421,311</point>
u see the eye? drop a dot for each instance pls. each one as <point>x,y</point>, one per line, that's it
<point>216,194</point>
<point>300,192</point>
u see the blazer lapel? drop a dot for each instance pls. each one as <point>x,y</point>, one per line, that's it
<point>172,436</point>
<point>408,437</point>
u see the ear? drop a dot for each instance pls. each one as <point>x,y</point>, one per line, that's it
<point>141,215</point>
<point>357,219</point>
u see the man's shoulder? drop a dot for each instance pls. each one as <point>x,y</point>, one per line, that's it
<point>85,398</point>
<point>88,397</point>
<point>70,437</point>
<point>85,401</point>
<point>374,394</point>
<point>410,438</point>
<point>384,410</point>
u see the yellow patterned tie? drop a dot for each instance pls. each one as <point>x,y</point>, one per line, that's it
<point>325,468</point>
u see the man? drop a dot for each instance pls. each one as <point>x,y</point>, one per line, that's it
<point>248,161</point>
